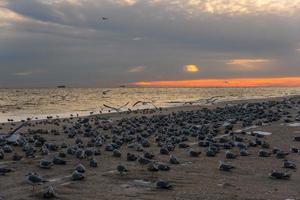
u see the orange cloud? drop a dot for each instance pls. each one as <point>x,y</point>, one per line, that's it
<point>191,68</point>
<point>247,61</point>
<point>234,82</point>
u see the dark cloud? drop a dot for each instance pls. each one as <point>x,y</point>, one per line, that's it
<point>70,43</point>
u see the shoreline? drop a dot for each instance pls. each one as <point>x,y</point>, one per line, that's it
<point>153,110</point>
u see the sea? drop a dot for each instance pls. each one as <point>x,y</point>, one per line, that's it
<point>19,104</point>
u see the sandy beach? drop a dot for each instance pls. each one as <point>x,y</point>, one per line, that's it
<point>193,178</point>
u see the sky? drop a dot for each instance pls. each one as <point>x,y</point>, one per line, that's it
<point>172,43</point>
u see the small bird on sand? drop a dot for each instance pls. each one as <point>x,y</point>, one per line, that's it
<point>49,193</point>
<point>230,155</point>
<point>77,176</point>
<point>173,160</point>
<point>279,175</point>
<point>80,168</point>
<point>225,167</point>
<point>289,164</point>
<point>45,164</point>
<point>122,169</point>
<point>93,163</point>
<point>35,179</point>
<point>161,184</point>
<point>4,170</point>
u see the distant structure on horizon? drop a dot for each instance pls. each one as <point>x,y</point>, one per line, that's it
<point>61,86</point>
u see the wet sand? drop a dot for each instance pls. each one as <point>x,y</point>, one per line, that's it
<point>193,178</point>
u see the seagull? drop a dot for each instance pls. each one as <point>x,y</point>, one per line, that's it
<point>116,109</point>
<point>45,164</point>
<point>4,170</point>
<point>104,18</point>
<point>80,168</point>
<point>77,176</point>
<point>122,169</point>
<point>225,167</point>
<point>35,179</point>
<point>49,193</point>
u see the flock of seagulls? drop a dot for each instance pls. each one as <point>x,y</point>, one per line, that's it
<point>213,130</point>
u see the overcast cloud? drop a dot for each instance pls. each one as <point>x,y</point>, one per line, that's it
<point>54,42</point>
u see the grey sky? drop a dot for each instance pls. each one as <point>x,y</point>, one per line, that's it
<point>53,42</point>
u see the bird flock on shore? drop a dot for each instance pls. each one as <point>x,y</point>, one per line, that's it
<point>213,130</point>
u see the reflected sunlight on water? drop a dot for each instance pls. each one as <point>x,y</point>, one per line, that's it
<point>22,103</point>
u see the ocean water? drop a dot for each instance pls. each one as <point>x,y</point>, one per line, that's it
<point>20,104</point>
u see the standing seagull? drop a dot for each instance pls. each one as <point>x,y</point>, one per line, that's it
<point>35,179</point>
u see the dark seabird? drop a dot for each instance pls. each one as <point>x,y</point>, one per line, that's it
<point>16,157</point>
<point>49,193</point>
<point>289,164</point>
<point>1,154</point>
<point>152,167</point>
<point>77,176</point>
<point>294,150</point>
<point>163,167</point>
<point>160,184</point>
<point>58,161</point>
<point>164,151</point>
<point>194,153</point>
<point>45,164</point>
<point>35,179</point>
<point>131,157</point>
<point>281,154</point>
<point>279,175</point>
<point>93,163</point>
<point>143,161</point>
<point>173,160</point>
<point>122,169</point>
<point>80,168</point>
<point>225,167</point>
<point>244,152</point>
<point>4,170</point>
<point>117,153</point>
<point>230,155</point>
<point>297,138</point>
<point>148,155</point>
<point>263,153</point>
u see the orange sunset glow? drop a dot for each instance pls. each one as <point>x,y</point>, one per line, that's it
<point>238,82</point>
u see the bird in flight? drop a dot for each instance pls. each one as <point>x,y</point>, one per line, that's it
<point>104,18</point>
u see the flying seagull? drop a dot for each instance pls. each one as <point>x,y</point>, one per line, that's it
<point>104,18</point>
